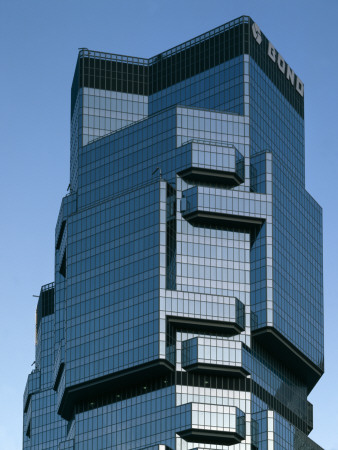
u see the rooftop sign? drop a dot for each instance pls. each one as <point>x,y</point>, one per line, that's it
<point>279,60</point>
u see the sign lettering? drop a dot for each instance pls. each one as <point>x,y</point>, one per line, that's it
<point>279,60</point>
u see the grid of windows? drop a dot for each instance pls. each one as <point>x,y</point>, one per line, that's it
<point>297,226</point>
<point>187,244</point>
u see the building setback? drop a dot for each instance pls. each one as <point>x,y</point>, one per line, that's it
<point>187,307</point>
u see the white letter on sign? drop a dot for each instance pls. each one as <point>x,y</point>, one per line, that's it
<point>256,33</point>
<point>281,63</point>
<point>272,52</point>
<point>300,87</point>
<point>290,75</point>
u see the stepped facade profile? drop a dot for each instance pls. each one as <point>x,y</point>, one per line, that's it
<point>187,306</point>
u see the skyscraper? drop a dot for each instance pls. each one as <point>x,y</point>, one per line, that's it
<point>187,307</point>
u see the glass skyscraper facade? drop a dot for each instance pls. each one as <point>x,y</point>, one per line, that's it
<point>187,306</point>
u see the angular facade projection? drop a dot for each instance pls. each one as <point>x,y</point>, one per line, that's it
<point>187,307</point>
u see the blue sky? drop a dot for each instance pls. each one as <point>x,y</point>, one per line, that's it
<point>39,41</point>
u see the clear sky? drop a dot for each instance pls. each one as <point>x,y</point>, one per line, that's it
<point>39,40</point>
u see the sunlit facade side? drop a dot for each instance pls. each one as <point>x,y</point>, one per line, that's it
<point>187,307</point>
